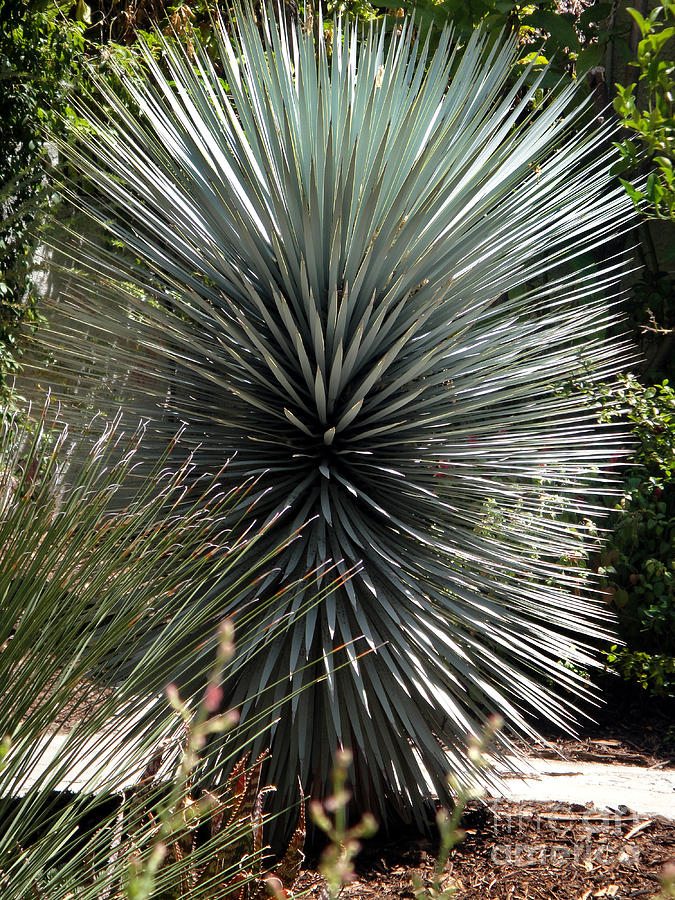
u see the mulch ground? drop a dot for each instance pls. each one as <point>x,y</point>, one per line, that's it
<point>632,728</point>
<point>543,851</point>
<point>523,851</point>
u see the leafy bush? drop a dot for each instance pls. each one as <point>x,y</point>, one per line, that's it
<point>638,565</point>
<point>652,314</point>
<point>572,40</point>
<point>652,671</point>
<point>38,61</point>
<point>342,273</point>
<point>651,118</point>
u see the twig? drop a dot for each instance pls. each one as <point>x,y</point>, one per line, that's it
<point>638,828</point>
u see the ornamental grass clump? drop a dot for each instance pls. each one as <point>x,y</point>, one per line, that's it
<point>102,786</point>
<point>366,273</point>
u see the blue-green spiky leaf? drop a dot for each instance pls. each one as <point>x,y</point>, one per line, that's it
<point>365,279</point>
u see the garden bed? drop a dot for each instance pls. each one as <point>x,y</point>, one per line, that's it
<point>545,851</point>
<point>523,851</point>
<point>632,727</point>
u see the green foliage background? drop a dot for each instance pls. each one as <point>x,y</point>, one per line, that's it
<point>39,63</point>
<point>638,564</point>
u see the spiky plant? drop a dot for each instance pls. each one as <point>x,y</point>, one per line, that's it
<point>88,592</point>
<point>366,275</point>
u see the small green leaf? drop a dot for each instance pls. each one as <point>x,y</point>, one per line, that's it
<point>639,18</point>
<point>83,12</point>
<point>635,195</point>
<point>589,58</point>
<point>559,26</point>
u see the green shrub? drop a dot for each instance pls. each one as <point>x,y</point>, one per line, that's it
<point>38,63</point>
<point>97,575</point>
<point>646,109</point>
<point>654,672</point>
<point>638,564</point>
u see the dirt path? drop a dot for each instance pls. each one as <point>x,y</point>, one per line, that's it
<point>646,791</point>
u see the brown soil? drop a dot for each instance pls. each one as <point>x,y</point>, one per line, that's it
<point>523,851</point>
<point>632,728</point>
